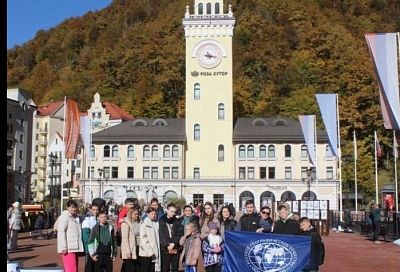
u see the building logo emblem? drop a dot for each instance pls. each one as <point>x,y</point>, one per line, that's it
<point>195,74</point>
<point>270,255</point>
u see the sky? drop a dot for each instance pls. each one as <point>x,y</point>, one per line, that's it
<point>26,17</point>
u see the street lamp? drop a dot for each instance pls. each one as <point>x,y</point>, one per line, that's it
<point>310,178</point>
<point>149,188</point>
<point>101,171</point>
<point>53,160</point>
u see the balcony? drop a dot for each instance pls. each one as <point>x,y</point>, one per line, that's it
<point>43,131</point>
<point>41,165</point>
<point>43,142</point>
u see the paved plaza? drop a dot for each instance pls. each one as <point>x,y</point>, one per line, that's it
<point>344,252</point>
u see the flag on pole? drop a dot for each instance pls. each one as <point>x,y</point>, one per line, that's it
<point>395,146</point>
<point>328,107</point>
<point>85,134</point>
<point>377,147</point>
<point>355,145</point>
<point>307,123</point>
<point>72,123</point>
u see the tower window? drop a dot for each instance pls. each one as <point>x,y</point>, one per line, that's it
<point>288,151</point>
<point>216,8</point>
<point>196,93</point>
<point>221,111</point>
<point>250,151</point>
<point>271,151</point>
<point>196,173</point>
<point>131,151</point>
<point>115,151</point>
<point>208,8</point>
<point>146,151</point>
<point>197,132</point>
<point>263,151</point>
<point>106,151</point>
<point>242,151</point>
<point>200,9</point>
<point>221,153</point>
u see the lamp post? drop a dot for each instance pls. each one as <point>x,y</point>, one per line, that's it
<point>53,160</point>
<point>149,188</point>
<point>101,171</point>
<point>310,178</point>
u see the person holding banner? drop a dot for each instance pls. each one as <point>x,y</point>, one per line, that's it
<point>212,248</point>
<point>207,217</point>
<point>317,253</point>
<point>285,224</point>
<point>265,221</point>
<point>250,221</point>
<point>226,221</point>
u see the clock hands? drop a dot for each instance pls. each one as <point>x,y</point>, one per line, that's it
<point>209,56</point>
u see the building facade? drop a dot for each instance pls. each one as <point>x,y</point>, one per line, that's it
<point>20,112</point>
<point>209,156</point>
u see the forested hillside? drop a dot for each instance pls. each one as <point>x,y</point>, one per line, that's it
<point>285,51</point>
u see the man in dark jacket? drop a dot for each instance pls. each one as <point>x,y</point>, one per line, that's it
<point>285,224</point>
<point>250,221</point>
<point>376,222</point>
<point>169,240</point>
<point>317,247</point>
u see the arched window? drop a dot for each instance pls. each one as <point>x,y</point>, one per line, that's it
<point>221,111</point>
<point>243,197</point>
<point>175,151</point>
<point>208,8</point>
<point>250,151</point>
<point>220,153</point>
<point>242,151</point>
<point>271,151</point>
<point>309,195</point>
<point>200,9</point>
<point>288,196</point>
<point>92,151</point>
<point>146,151</point>
<point>288,151</point>
<point>154,151</point>
<point>106,151</point>
<point>304,151</point>
<point>263,151</point>
<point>131,151</point>
<point>196,135</point>
<point>166,151</point>
<point>267,199</point>
<point>328,151</point>
<point>216,8</point>
<point>115,151</point>
<point>196,91</point>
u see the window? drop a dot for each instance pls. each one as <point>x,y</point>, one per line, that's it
<point>91,172</point>
<point>174,172</point>
<point>131,151</point>
<point>107,172</point>
<point>10,115</point>
<point>197,132</point>
<point>263,151</point>
<point>79,150</point>
<point>242,172</point>
<point>56,141</point>
<point>115,151</point>
<point>196,173</point>
<point>36,148</point>
<point>154,172</point>
<point>221,111</point>
<point>242,151</point>
<point>198,199</point>
<point>37,137</point>
<point>146,151</point>
<point>220,153</point>
<point>106,151</point>
<point>37,125</point>
<point>21,139</point>
<point>45,126</point>
<point>21,156</point>
<point>130,172</point>
<point>250,172</point>
<point>9,159</point>
<point>92,152</point>
<point>271,172</point>
<point>166,151</point>
<point>93,115</point>
<point>146,172</point>
<point>328,151</point>
<point>78,176</point>
<point>304,151</point>
<point>263,172</point>
<point>288,151</point>
<point>166,173</point>
<point>288,172</point>
<point>154,151</point>
<point>78,164</point>
<point>218,199</point>
<point>22,123</point>
<point>9,145</point>
<point>175,151</point>
<point>208,8</point>
<point>196,91</point>
<point>271,151</point>
<point>304,173</point>
<point>99,115</point>
<point>250,151</point>
<point>200,9</point>
<point>36,159</point>
<point>329,172</point>
<point>216,8</point>
<point>114,172</point>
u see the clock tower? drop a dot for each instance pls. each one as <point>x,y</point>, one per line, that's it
<point>209,105</point>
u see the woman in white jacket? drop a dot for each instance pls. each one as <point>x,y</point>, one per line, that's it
<point>69,236</point>
<point>149,250</point>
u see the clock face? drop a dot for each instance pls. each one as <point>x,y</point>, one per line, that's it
<point>209,55</point>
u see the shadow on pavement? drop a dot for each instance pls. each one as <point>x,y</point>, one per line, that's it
<point>49,265</point>
<point>22,258</point>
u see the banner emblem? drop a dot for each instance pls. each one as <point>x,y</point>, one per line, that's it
<point>270,255</point>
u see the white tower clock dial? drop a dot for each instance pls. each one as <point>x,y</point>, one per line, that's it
<point>209,55</point>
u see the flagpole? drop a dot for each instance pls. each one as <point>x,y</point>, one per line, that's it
<point>63,158</point>
<point>355,170</point>
<point>316,150</point>
<point>90,160</point>
<point>376,170</point>
<point>340,161</point>
<point>395,154</point>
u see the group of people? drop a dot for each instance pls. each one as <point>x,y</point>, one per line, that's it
<point>158,240</point>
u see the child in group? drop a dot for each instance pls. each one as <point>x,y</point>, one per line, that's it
<point>191,257</point>
<point>212,248</point>
<point>317,253</point>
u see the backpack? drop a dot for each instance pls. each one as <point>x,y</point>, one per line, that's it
<point>322,254</point>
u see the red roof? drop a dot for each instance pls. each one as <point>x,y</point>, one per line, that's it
<point>116,112</point>
<point>50,108</point>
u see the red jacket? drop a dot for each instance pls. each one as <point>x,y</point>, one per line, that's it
<point>122,214</point>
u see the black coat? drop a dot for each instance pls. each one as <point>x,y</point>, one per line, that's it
<point>288,227</point>
<point>249,222</point>
<point>165,238</point>
<point>230,224</point>
<point>317,253</point>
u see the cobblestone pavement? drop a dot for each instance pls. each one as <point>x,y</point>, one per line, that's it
<point>344,252</point>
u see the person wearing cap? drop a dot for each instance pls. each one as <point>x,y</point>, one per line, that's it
<point>212,248</point>
<point>15,223</point>
<point>250,221</point>
<point>286,223</point>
